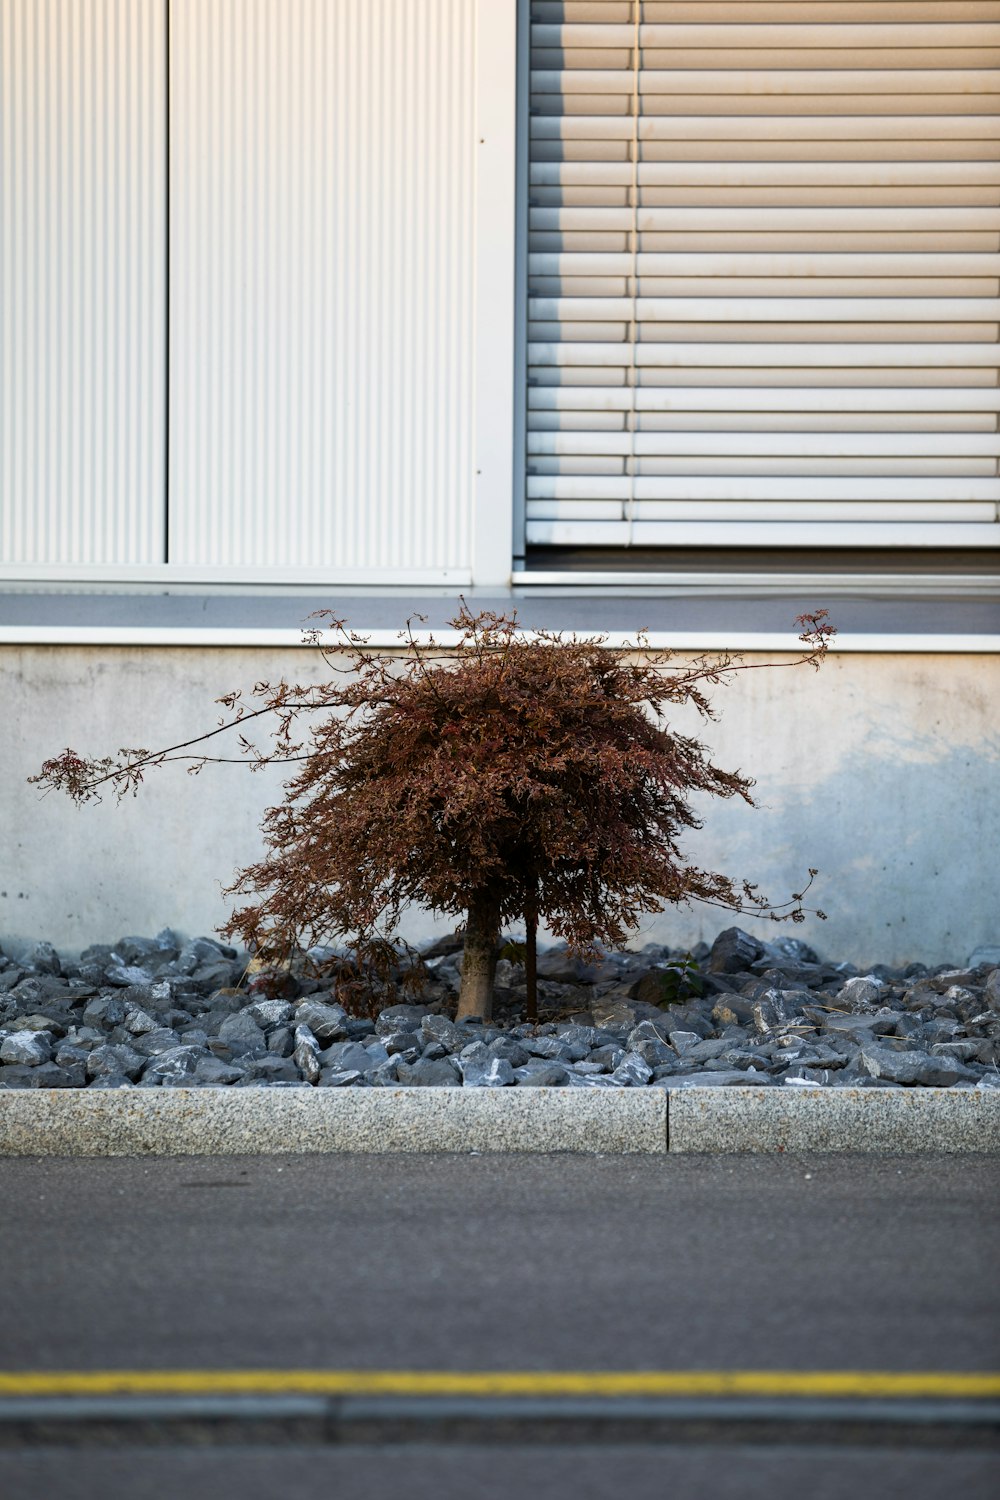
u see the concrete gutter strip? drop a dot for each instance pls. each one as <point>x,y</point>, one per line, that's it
<point>270,1121</point>
<point>288,1121</point>
<point>890,1121</point>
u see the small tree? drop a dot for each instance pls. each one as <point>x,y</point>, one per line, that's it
<point>516,777</point>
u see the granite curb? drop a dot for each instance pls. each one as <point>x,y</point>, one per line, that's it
<point>652,1121</point>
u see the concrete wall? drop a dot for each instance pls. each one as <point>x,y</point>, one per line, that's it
<point>881,770</point>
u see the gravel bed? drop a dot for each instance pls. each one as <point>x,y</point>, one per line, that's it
<point>156,1012</point>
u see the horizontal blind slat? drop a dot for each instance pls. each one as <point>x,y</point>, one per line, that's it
<point>858,512</point>
<point>768,309</point>
<point>769,487</point>
<point>946,126</point>
<point>900,35</point>
<point>747,263</point>
<point>792,444</point>
<point>799,81</point>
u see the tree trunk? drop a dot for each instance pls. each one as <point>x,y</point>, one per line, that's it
<point>531,964</point>
<point>482,933</point>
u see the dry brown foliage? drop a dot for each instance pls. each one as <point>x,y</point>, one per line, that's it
<point>519,777</point>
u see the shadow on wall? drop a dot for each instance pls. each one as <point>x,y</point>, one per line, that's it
<point>903,827</point>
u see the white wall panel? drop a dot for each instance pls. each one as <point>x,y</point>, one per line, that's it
<point>322,178</point>
<point>82,288</point>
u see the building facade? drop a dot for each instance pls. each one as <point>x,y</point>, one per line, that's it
<point>680,314</point>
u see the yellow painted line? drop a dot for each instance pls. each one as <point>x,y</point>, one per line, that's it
<point>943,1384</point>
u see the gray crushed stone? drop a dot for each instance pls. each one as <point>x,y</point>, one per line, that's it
<point>159,1013</point>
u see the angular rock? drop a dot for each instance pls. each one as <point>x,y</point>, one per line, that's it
<point>326,1022</point>
<point>557,964</point>
<point>106,1061</point>
<point>271,1013</point>
<point>810,1055</point>
<point>446,1033</point>
<point>337,1078</point>
<point>36,1022</point>
<point>427,1074</point>
<point>306,1054</point>
<point>51,1076</point>
<point>67,1055</point>
<point>911,1067</point>
<point>173,1067</point>
<point>280,1042</point>
<point>510,1049</point>
<point>225,1002</point>
<point>632,1071</point>
<point>26,1049</point>
<point>771,1011</point>
<point>212,1070</point>
<point>654,1053</point>
<point>138,1021</point>
<point>44,959</point>
<point>615,1013</point>
<point>243,1036</point>
<point>700,1051</point>
<point>538,1074</point>
<point>202,950</point>
<point>122,975</point>
<point>398,1018</point>
<point>399,1041</point>
<point>646,1031</point>
<point>861,994</point>
<point>732,1010</point>
<point>743,1058</point>
<point>271,1070</point>
<point>695,1015</point>
<point>343,1056</point>
<point>551,1047</point>
<point>859,1025</point>
<point>964,1051</point>
<point>213,976</point>
<point>105,1010</point>
<point>733,952</point>
<point>481,1070</point>
<point>151,1043</point>
<point>795,949</point>
<point>582,1032</point>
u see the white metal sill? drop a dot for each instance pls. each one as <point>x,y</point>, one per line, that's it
<point>166,637</point>
<point>756,584</point>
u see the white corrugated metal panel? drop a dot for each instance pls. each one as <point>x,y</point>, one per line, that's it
<point>322,181</point>
<point>780,217</point>
<point>82,288</point>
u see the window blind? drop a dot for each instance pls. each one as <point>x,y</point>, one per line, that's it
<point>764,273</point>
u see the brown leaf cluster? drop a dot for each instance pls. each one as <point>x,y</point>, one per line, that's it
<point>519,776</point>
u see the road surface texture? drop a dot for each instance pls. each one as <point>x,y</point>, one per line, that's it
<point>501,1263</point>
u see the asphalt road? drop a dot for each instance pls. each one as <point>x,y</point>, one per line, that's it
<point>500,1263</point>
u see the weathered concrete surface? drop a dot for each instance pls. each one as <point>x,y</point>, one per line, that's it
<point>253,1121</point>
<point>880,770</point>
<point>889,1121</point>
